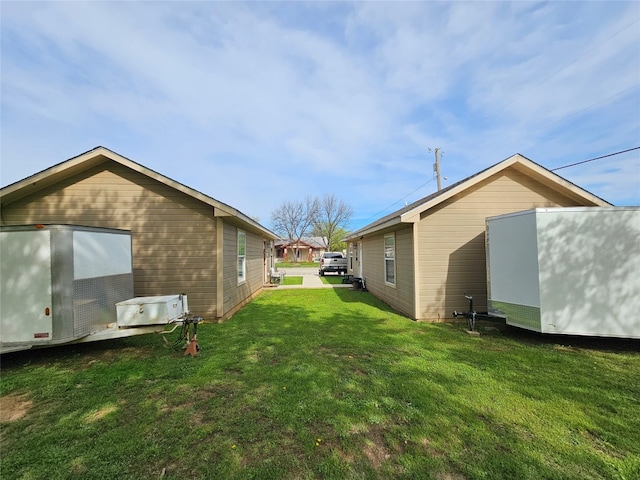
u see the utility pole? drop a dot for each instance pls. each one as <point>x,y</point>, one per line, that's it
<point>436,167</point>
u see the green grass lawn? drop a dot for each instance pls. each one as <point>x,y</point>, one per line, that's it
<point>332,279</point>
<point>297,264</point>
<point>291,280</point>
<point>325,384</point>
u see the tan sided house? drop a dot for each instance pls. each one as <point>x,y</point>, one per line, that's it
<point>308,249</point>
<point>183,241</point>
<point>422,258</point>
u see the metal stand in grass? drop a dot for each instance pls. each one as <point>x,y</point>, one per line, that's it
<point>188,336</point>
<point>470,315</point>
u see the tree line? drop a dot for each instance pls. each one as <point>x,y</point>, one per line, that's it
<point>326,217</point>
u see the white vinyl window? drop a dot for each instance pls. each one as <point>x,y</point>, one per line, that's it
<point>390,259</point>
<point>242,256</point>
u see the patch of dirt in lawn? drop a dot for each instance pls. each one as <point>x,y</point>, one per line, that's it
<point>376,453</point>
<point>376,448</point>
<point>101,356</point>
<point>430,449</point>
<point>100,414</point>
<point>449,476</point>
<point>14,407</point>
<point>601,446</point>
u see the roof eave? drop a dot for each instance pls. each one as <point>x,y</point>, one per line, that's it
<point>518,161</point>
<point>93,157</point>
<point>570,189</point>
<point>51,175</point>
<point>367,231</point>
<point>414,215</point>
<point>521,163</point>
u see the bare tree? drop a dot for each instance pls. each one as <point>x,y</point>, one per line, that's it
<point>332,219</point>
<point>293,220</point>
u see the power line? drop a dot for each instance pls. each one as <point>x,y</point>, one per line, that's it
<point>531,87</point>
<point>596,158</point>
<point>552,170</point>
<point>407,195</point>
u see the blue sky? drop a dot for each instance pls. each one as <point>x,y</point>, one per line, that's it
<point>259,103</point>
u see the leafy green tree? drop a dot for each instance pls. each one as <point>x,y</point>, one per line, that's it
<point>331,220</point>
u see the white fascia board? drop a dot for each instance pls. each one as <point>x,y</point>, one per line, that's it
<point>376,228</point>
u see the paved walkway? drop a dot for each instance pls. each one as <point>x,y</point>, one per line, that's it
<point>311,280</point>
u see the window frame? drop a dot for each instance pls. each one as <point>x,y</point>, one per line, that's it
<point>389,255</point>
<point>241,264</point>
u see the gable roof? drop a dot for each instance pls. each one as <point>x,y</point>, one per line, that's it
<point>98,155</point>
<point>313,242</point>
<point>411,213</point>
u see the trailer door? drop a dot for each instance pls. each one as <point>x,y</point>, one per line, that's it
<point>25,287</point>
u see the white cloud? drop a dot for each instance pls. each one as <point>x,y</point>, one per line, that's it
<point>273,96</point>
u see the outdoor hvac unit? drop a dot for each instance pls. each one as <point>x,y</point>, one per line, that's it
<point>59,283</point>
<point>568,271</point>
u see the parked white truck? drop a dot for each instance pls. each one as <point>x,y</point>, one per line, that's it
<point>332,262</point>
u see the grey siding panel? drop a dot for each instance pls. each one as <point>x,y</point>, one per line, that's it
<point>173,234</point>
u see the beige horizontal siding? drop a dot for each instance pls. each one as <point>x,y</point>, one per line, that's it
<point>235,294</point>
<point>452,241</point>
<point>401,295</point>
<point>173,234</point>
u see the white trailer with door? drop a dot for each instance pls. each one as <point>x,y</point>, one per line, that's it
<point>573,271</point>
<point>64,284</point>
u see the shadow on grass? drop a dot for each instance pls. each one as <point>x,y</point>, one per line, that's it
<point>328,384</point>
<point>351,295</point>
<point>57,353</point>
<point>608,344</point>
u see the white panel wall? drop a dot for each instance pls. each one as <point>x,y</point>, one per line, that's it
<point>582,263</point>
<point>590,271</point>
<point>25,287</point>
<point>513,255</point>
<point>98,254</point>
